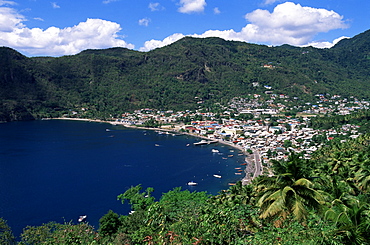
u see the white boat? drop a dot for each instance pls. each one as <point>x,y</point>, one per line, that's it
<point>202,142</point>
<point>215,151</point>
<point>192,183</point>
<point>205,142</point>
<point>82,218</point>
<point>217,176</point>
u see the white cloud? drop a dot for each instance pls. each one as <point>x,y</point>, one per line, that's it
<point>153,44</point>
<point>38,18</point>
<point>267,2</point>
<point>144,22</point>
<point>324,44</point>
<point>109,1</point>
<point>289,23</point>
<point>9,19</point>
<point>216,11</point>
<point>55,5</point>
<point>91,34</point>
<point>155,7</point>
<point>191,6</point>
<point>3,2</point>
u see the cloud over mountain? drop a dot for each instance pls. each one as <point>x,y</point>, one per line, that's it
<point>288,23</point>
<point>91,34</point>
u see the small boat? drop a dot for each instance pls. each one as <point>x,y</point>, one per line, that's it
<point>230,155</point>
<point>243,164</point>
<point>231,183</point>
<point>238,168</point>
<point>82,218</point>
<point>156,145</point>
<point>205,142</point>
<point>107,130</point>
<point>191,183</point>
<point>238,173</point>
<point>217,176</point>
<point>202,142</point>
<point>187,144</point>
<point>215,151</point>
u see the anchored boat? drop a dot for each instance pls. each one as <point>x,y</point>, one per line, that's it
<point>191,183</point>
<point>82,218</point>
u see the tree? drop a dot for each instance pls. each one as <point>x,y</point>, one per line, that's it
<point>288,127</point>
<point>137,200</point>
<point>54,233</point>
<point>289,192</point>
<point>109,224</point>
<point>287,144</point>
<point>316,231</point>
<point>282,196</point>
<point>351,215</point>
<point>151,123</point>
<point>6,234</point>
<point>237,194</point>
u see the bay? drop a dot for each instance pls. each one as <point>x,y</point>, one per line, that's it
<point>56,170</point>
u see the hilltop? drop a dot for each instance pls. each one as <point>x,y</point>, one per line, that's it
<point>182,75</point>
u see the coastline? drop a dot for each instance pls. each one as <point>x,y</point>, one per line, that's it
<point>249,169</point>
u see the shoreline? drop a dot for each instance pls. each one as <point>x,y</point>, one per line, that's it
<point>249,169</point>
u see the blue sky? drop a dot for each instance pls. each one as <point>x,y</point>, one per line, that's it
<point>66,27</point>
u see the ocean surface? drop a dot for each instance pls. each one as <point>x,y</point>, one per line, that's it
<point>56,170</point>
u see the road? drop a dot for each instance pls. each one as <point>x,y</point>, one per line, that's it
<point>257,164</point>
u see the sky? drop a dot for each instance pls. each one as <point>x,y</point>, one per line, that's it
<point>66,27</point>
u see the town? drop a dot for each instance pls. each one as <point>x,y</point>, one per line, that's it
<point>265,128</point>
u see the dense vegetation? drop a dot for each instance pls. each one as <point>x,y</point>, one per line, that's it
<point>324,200</point>
<point>178,76</point>
<point>360,118</point>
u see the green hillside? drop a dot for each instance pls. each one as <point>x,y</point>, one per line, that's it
<point>111,81</point>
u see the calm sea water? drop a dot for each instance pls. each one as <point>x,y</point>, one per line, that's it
<point>57,170</point>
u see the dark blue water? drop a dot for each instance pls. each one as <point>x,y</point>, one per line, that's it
<point>57,170</point>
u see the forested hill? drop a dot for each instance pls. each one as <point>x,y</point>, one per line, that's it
<point>177,76</point>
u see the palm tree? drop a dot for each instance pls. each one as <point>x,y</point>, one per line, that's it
<point>236,194</point>
<point>284,196</point>
<point>362,175</point>
<point>289,192</point>
<point>352,218</point>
